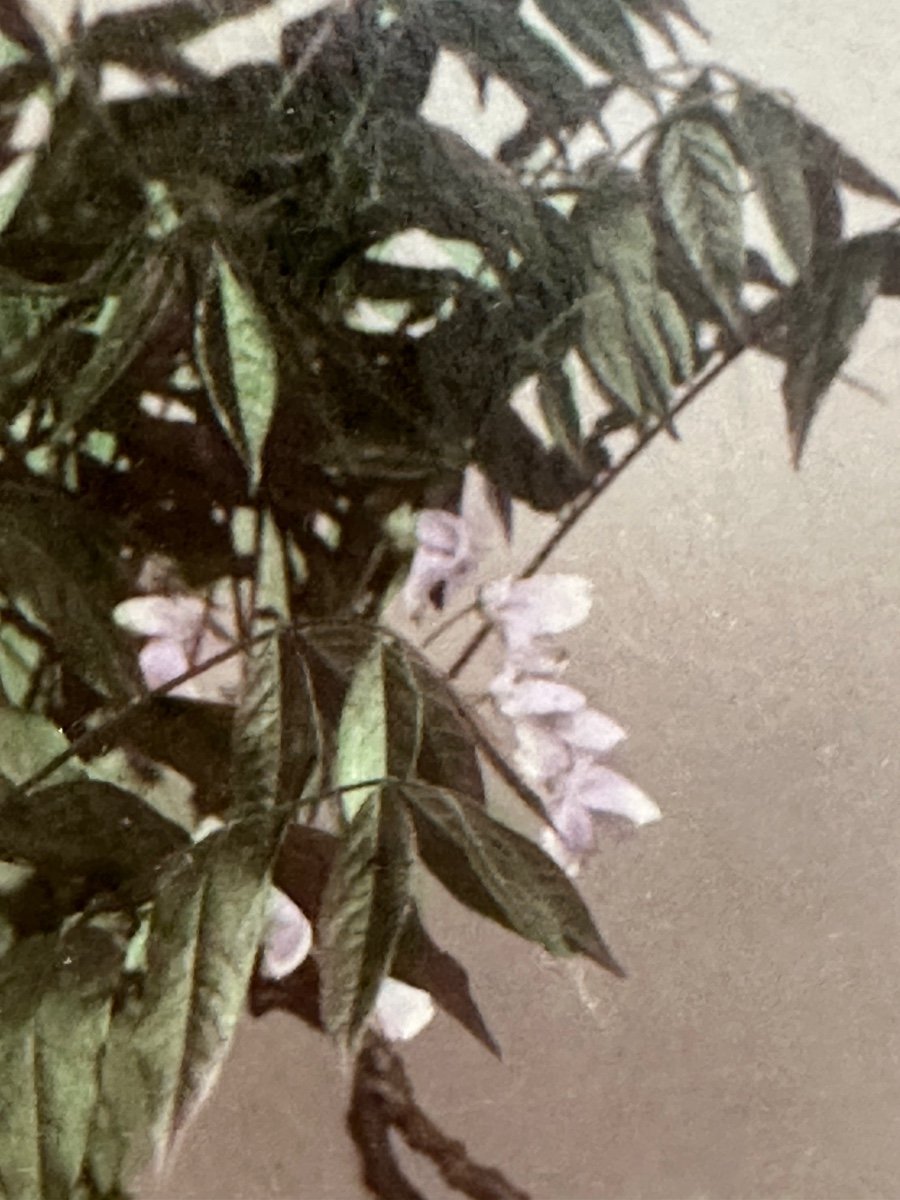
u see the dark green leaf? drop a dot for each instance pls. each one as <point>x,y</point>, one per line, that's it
<point>657,13</point>
<point>602,31</point>
<point>134,319</point>
<point>364,910</point>
<point>501,42</point>
<point>700,195</point>
<point>85,828</point>
<point>827,311</point>
<point>55,1006</point>
<point>421,963</point>
<point>238,361</point>
<point>774,150</point>
<point>560,412</point>
<point>503,875</point>
<point>167,1043</point>
<point>56,559</point>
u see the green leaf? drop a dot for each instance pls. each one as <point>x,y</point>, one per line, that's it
<point>421,963</point>
<point>362,740</point>
<point>238,361</point>
<point>167,1043</point>
<point>57,559</point>
<point>601,30</point>
<point>657,13</point>
<point>827,311</point>
<point>16,179</point>
<point>86,828</point>
<point>54,1018</point>
<point>131,320</point>
<point>28,742</point>
<point>773,143</point>
<point>275,735</point>
<point>364,910</point>
<point>700,196</point>
<point>502,875</point>
<point>636,339</point>
<point>560,412</point>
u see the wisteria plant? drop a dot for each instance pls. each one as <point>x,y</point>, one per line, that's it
<point>281,356</point>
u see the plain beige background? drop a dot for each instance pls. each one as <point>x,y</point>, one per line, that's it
<point>746,633</point>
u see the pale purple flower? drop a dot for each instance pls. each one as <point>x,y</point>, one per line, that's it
<point>443,560</point>
<point>526,611</point>
<point>183,632</point>
<point>288,937</point>
<point>560,740</point>
<point>402,1011</point>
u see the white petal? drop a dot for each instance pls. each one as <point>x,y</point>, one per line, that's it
<point>288,937</point>
<point>539,698</point>
<point>603,790</point>
<point>161,616</point>
<point>590,731</point>
<point>161,661</point>
<point>553,845</point>
<point>540,754</point>
<point>402,1011</point>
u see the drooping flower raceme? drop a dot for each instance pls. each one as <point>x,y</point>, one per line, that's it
<point>560,741</point>
<point>183,631</point>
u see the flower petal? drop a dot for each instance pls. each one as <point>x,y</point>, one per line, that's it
<point>288,937</point>
<point>536,697</point>
<point>553,845</point>
<point>598,788</point>
<point>402,1011</point>
<point>161,660</point>
<point>161,616</point>
<point>540,754</point>
<point>442,532</point>
<point>541,606</point>
<point>590,731</point>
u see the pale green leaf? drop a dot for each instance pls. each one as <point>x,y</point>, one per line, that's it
<point>364,910</point>
<point>167,1044</point>
<point>362,740</point>
<point>700,194</point>
<point>238,361</point>
<point>28,743</point>
<point>55,1009</point>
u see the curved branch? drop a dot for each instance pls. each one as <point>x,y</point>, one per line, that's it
<point>382,1100</point>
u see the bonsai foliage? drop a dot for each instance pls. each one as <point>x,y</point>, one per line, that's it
<point>257,329</point>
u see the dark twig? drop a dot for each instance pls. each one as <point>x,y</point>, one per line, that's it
<point>593,493</point>
<point>383,1099</point>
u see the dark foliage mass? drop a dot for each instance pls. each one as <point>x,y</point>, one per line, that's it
<point>219,368</point>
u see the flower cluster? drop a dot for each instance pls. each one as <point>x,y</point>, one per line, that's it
<point>560,741</point>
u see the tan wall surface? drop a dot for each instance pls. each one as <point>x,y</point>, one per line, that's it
<point>746,633</point>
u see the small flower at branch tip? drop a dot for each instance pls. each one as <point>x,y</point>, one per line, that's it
<point>288,937</point>
<point>402,1011</point>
